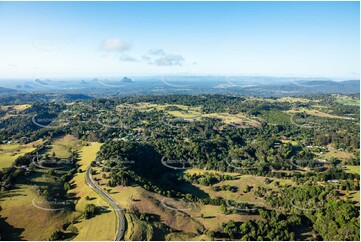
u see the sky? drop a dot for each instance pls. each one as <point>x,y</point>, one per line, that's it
<point>109,39</point>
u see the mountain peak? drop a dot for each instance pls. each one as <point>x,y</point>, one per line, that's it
<point>126,79</point>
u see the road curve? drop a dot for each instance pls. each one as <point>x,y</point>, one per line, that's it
<point>119,212</point>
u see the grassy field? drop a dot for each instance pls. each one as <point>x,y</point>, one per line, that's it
<point>188,220</point>
<point>18,108</point>
<point>314,112</point>
<point>13,110</point>
<point>352,169</point>
<point>241,182</point>
<point>341,155</point>
<point>27,221</point>
<point>283,99</point>
<point>63,145</point>
<point>136,198</point>
<point>239,119</point>
<point>9,152</point>
<point>194,113</point>
<point>136,230</point>
<point>185,112</point>
<point>292,142</point>
<point>346,100</point>
<point>100,227</point>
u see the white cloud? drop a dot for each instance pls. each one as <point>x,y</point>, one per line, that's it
<point>160,58</point>
<point>115,45</point>
<point>158,52</point>
<point>169,60</point>
<point>128,58</point>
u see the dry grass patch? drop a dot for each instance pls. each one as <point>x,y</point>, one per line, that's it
<point>341,155</point>
<point>34,223</point>
<point>313,112</point>
<point>62,146</point>
<point>10,152</point>
<point>100,227</point>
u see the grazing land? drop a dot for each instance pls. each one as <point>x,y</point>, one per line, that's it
<point>182,168</point>
<point>10,152</point>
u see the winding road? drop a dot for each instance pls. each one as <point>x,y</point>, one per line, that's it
<point>119,212</point>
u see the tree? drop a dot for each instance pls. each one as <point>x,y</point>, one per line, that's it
<point>230,228</point>
<point>67,186</point>
<point>57,235</point>
<point>90,211</point>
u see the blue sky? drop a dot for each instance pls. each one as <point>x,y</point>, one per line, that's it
<point>98,39</point>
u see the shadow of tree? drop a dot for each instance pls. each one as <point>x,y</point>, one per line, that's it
<point>9,232</point>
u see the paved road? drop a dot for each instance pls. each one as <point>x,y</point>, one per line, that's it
<point>120,214</point>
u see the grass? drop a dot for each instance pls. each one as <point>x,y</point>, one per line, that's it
<point>352,169</point>
<point>241,182</point>
<point>239,119</point>
<point>346,100</point>
<point>10,152</point>
<point>194,113</point>
<point>213,218</point>
<point>185,112</point>
<point>341,155</point>
<point>283,99</point>
<point>314,112</point>
<point>62,146</point>
<point>293,100</point>
<point>134,228</point>
<point>19,108</point>
<point>27,221</point>
<point>201,171</point>
<point>136,198</point>
<point>292,142</point>
<point>207,216</point>
<point>100,227</point>
<point>30,223</point>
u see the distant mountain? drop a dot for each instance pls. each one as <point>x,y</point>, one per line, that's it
<point>4,90</point>
<point>19,98</point>
<point>197,85</point>
<point>302,87</point>
<point>23,87</point>
<point>126,80</point>
<point>40,82</point>
<point>344,87</point>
